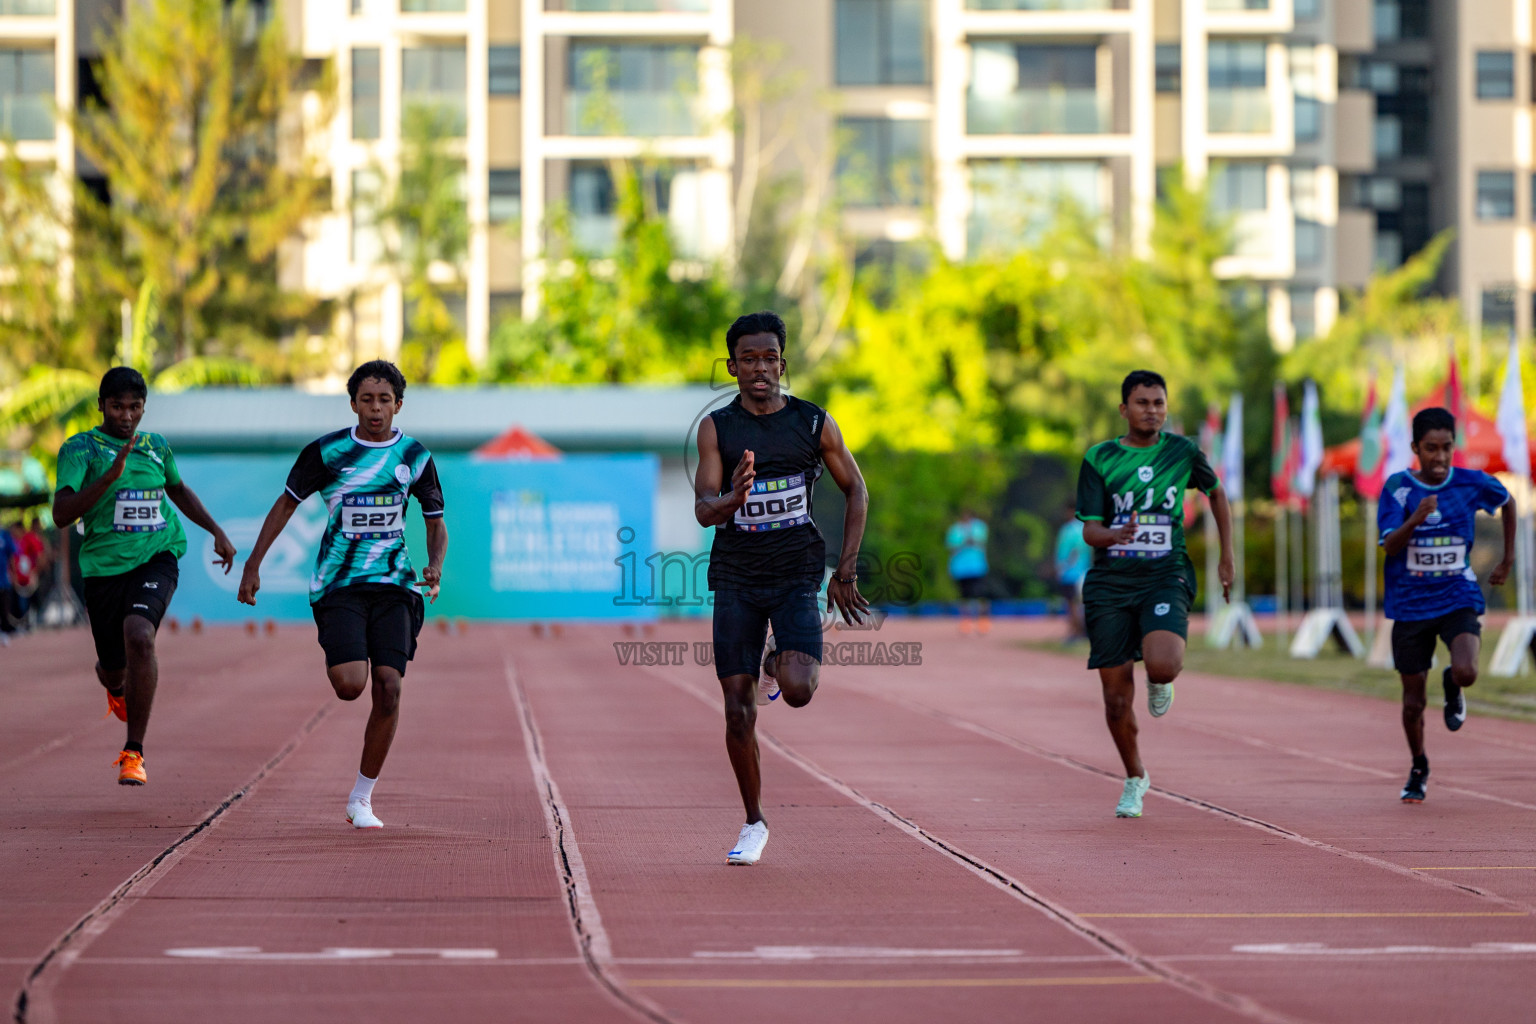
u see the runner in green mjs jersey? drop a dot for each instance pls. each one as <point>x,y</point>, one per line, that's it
<point>120,483</point>
<point>1137,595</point>
<point>362,594</point>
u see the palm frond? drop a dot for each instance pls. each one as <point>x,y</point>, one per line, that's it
<point>51,395</point>
<point>207,371</point>
<point>146,319</point>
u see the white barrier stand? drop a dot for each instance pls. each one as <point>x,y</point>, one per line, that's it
<point>1517,640</point>
<point>1322,624</point>
<point>1235,622</point>
<point>1381,646</point>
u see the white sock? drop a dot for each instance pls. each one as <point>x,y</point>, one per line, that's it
<point>362,792</point>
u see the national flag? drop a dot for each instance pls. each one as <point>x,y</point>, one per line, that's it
<point>1232,450</point>
<point>1370,466</point>
<point>1456,398</point>
<point>1511,417</point>
<point>1396,429</point>
<point>1311,442</point>
<point>1280,468</point>
<point>1210,444</point>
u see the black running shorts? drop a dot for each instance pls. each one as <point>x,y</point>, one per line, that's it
<point>144,591</point>
<point>741,626</point>
<point>1413,643</point>
<point>376,622</point>
<point>1118,615</point>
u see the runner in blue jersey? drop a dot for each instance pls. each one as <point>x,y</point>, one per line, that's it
<point>1426,521</point>
<point>363,594</point>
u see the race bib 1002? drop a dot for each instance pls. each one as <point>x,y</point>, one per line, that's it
<point>138,512</point>
<point>1437,556</point>
<point>1154,536</point>
<point>373,516</point>
<point>775,505</point>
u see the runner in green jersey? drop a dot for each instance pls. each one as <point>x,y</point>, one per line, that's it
<point>1136,598</point>
<point>363,595</point>
<point>117,480</point>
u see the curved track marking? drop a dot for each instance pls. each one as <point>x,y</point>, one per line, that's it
<point>1106,940</point>
<point>587,924</point>
<point>34,1002</point>
<point>1257,823</point>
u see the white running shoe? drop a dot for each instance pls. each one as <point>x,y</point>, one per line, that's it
<point>767,684</point>
<point>749,845</point>
<point>1130,799</point>
<point>1159,698</point>
<point>360,814</point>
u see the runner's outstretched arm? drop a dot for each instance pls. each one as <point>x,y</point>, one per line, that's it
<point>845,471</point>
<point>193,508</point>
<point>1226,568</point>
<point>250,580</point>
<point>437,550</point>
<point>1501,571</point>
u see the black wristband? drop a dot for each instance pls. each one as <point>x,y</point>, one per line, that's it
<point>851,579</point>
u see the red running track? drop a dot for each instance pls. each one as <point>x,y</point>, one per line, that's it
<point>943,846</point>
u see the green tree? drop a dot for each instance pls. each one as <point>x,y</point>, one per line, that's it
<point>425,229</point>
<point>201,138</point>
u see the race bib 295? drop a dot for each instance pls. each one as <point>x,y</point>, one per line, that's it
<point>138,512</point>
<point>775,505</point>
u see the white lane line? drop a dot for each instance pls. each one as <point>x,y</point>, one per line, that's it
<point>34,1003</point>
<point>803,953</point>
<point>586,922</point>
<point>1205,805</point>
<point>1320,949</point>
<point>1106,940</point>
<point>256,953</point>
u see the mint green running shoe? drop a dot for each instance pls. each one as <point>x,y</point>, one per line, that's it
<point>1130,800</point>
<point>1159,698</point>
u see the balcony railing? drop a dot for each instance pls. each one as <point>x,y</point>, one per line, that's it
<point>611,6</point>
<point>640,114</point>
<point>1039,112</point>
<point>27,8</point>
<point>1040,5</point>
<point>1240,111</point>
<point>26,118</point>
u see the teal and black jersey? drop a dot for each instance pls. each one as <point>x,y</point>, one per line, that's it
<point>367,486</point>
<point>1119,484</point>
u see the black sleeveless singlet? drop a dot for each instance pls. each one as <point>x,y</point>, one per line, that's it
<point>771,542</point>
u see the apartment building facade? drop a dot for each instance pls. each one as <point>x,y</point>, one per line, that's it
<point>1335,134</point>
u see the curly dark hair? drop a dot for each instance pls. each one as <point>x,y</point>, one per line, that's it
<point>765,322</point>
<point>378,369</point>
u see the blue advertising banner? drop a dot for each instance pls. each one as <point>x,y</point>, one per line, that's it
<point>527,539</point>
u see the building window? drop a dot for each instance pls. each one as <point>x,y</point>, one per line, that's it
<point>1014,202</point>
<point>1309,242</point>
<point>365,93</point>
<point>1170,67</point>
<point>1495,195</point>
<point>1495,75</point>
<point>882,162</point>
<point>1019,89</point>
<point>367,245</point>
<point>26,94</point>
<point>1388,250</point>
<point>455,302</point>
<point>1389,137</point>
<point>1307,10</point>
<point>1305,86</point>
<point>674,190</point>
<point>637,89</point>
<point>506,70</point>
<point>27,8</point>
<point>1238,101</point>
<point>882,42</point>
<point>434,76</point>
<point>1309,119</point>
<point>1304,313</point>
<point>430,6</point>
<point>1499,307</point>
<point>506,191</point>
<point>1238,187</point>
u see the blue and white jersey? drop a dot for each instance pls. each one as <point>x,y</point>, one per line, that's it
<point>1433,574</point>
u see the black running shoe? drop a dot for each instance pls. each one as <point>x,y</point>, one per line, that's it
<point>1455,702</point>
<point>1418,780</point>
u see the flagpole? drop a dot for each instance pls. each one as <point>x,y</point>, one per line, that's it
<point>1370,572</point>
<point>1282,574</point>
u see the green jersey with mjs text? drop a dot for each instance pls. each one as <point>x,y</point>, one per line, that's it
<point>1119,483</point>
<point>366,486</point>
<point>133,522</point>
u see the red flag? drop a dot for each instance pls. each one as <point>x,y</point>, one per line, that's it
<point>1210,444</point>
<point>1280,459</point>
<point>1457,399</point>
<point>1371,466</point>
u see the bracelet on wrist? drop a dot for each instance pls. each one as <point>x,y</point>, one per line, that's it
<point>846,579</point>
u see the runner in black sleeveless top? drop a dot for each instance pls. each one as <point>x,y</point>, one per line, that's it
<point>768,556</point>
